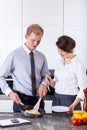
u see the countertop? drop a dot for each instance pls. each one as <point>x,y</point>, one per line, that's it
<point>47,122</point>
<point>4,97</point>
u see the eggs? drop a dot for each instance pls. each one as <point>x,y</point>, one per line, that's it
<point>32,112</point>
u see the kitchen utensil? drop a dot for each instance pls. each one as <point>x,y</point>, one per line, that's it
<point>21,103</point>
<point>32,114</point>
<point>25,113</point>
<point>23,107</point>
<point>37,105</point>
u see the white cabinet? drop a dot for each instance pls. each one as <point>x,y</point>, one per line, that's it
<point>6,106</point>
<point>10,38</point>
<point>75,25</point>
<point>75,12</point>
<point>10,27</point>
<point>10,13</point>
<point>44,12</point>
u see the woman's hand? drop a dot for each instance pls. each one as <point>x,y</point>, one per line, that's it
<point>71,108</point>
<point>49,80</point>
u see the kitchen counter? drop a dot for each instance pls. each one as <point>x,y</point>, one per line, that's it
<point>4,97</point>
<point>47,122</point>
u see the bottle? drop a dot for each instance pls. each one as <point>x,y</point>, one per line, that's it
<point>85,100</point>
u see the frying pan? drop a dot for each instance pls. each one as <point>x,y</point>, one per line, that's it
<point>23,109</point>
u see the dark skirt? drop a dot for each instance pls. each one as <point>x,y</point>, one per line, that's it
<point>65,100</point>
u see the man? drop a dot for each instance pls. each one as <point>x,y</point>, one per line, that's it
<point>18,64</point>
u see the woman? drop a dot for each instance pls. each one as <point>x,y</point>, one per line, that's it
<point>70,79</point>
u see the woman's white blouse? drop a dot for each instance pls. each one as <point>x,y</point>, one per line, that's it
<point>70,78</point>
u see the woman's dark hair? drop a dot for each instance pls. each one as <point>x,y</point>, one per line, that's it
<point>66,43</point>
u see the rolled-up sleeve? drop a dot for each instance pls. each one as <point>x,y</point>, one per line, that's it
<point>82,80</point>
<point>5,70</point>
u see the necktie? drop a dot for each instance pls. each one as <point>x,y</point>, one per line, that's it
<point>33,77</point>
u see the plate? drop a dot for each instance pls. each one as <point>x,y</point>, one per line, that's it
<point>60,108</point>
<point>13,122</point>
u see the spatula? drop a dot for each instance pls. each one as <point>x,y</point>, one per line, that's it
<point>36,107</point>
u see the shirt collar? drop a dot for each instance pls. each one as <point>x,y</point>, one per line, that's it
<point>62,60</point>
<point>27,49</point>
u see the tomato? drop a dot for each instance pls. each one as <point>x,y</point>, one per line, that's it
<point>84,121</point>
<point>76,121</point>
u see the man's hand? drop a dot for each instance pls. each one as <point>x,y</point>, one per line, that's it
<point>42,91</point>
<point>14,97</point>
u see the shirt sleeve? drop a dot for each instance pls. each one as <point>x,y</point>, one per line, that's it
<point>44,72</point>
<point>82,80</point>
<point>8,91</point>
<point>5,70</point>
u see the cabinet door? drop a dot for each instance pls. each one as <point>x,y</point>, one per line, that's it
<point>6,105</point>
<point>75,12</point>
<point>10,27</point>
<point>44,12</point>
<point>10,13</point>
<point>75,25</point>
